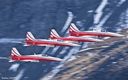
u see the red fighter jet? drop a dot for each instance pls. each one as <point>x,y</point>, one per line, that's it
<point>30,40</point>
<point>73,30</point>
<point>15,56</point>
<point>54,35</point>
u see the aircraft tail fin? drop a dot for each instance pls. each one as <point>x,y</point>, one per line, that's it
<point>29,36</point>
<point>53,34</point>
<point>73,28</point>
<point>14,52</point>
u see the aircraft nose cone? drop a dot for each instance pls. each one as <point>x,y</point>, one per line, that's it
<point>121,35</point>
<point>58,59</point>
<point>118,35</point>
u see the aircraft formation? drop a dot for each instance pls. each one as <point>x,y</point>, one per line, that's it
<point>76,36</point>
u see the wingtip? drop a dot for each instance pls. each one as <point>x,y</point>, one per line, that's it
<point>60,59</point>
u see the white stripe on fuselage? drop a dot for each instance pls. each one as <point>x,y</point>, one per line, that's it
<point>44,57</point>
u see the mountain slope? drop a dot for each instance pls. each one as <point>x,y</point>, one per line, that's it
<point>107,60</point>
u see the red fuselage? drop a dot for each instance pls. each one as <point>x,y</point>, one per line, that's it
<point>98,34</point>
<point>75,39</point>
<point>31,58</point>
<point>49,43</point>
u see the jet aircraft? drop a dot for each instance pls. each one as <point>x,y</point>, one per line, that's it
<point>30,40</point>
<point>54,35</point>
<point>73,30</point>
<point>15,56</point>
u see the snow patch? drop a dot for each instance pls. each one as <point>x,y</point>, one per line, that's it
<point>69,20</point>
<point>45,50</point>
<point>55,49</point>
<point>121,59</point>
<point>89,53</point>
<point>114,62</point>
<point>104,20</point>
<point>107,56</point>
<point>101,69</point>
<point>86,44</point>
<point>121,2</point>
<point>85,49</point>
<point>19,76</point>
<point>90,11</point>
<point>72,58</point>
<point>101,23</point>
<point>64,50</point>
<point>79,70</point>
<point>112,58</point>
<point>119,29</point>
<point>79,23</point>
<point>14,67</point>
<point>99,11</point>
<point>54,72</point>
